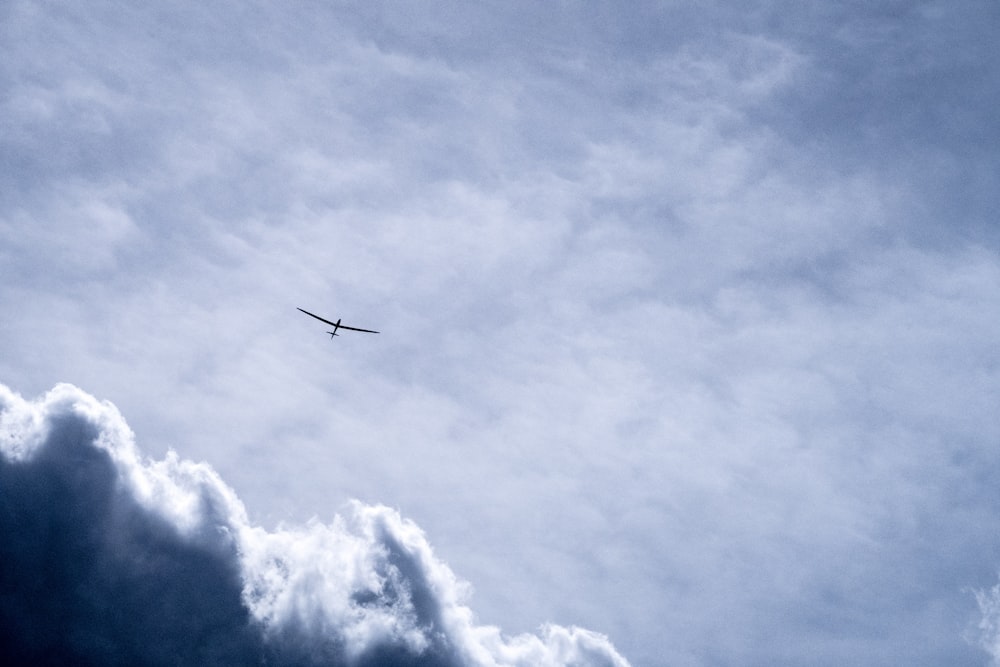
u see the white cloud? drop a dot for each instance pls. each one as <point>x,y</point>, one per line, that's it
<point>712,289</point>
<point>988,627</point>
<point>364,587</point>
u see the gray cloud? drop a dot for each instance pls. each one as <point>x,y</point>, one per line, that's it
<point>108,559</point>
<point>716,285</point>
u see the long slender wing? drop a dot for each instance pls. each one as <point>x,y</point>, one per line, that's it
<point>332,324</point>
<point>344,326</point>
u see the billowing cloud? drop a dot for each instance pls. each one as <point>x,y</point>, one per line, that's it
<point>107,558</point>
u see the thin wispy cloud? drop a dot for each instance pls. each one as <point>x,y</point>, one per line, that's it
<point>691,308</point>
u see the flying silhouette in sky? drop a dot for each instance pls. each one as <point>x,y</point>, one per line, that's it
<point>336,325</point>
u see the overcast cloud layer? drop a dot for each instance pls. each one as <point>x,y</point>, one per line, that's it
<point>689,310</point>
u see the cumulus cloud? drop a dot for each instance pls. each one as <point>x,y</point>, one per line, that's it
<point>108,558</point>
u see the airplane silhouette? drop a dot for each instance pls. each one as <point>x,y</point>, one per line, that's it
<point>336,325</point>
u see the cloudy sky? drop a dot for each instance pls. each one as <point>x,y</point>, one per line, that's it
<point>689,310</point>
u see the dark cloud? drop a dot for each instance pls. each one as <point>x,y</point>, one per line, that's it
<point>110,560</point>
<point>91,577</point>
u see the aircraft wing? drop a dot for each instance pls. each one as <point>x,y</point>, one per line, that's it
<point>344,326</point>
<point>332,324</point>
<point>335,325</point>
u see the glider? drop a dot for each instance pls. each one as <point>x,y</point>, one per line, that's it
<point>336,325</point>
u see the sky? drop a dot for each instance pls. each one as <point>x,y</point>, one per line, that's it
<point>689,316</point>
